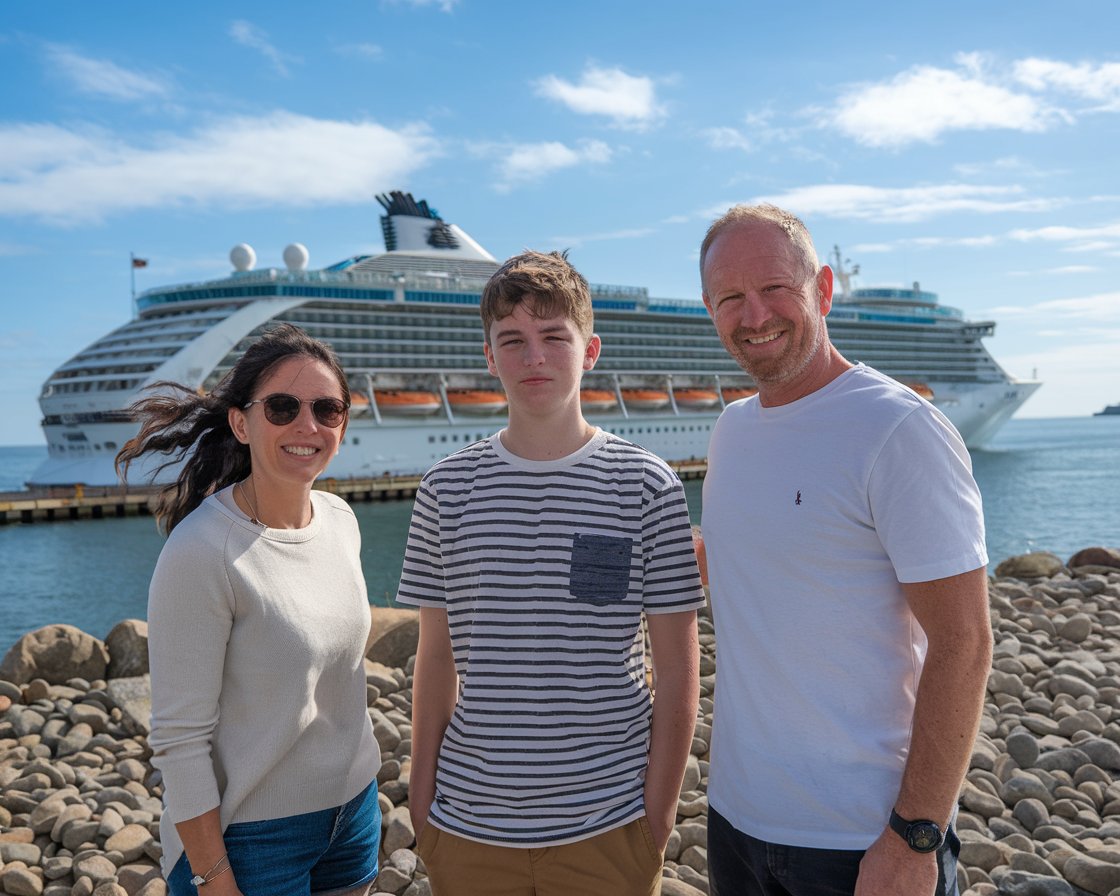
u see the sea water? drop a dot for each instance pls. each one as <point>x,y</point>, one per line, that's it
<point>1048,485</point>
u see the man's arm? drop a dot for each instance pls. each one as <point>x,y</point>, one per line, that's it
<point>953,613</point>
<point>676,668</point>
<point>435,688</point>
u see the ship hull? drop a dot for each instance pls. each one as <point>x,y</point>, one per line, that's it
<point>408,446</point>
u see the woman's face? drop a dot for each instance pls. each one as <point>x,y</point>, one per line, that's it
<point>295,452</point>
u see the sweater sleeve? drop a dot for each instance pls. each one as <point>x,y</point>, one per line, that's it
<point>190,614</point>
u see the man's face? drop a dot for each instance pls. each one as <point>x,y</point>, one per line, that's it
<point>768,308</point>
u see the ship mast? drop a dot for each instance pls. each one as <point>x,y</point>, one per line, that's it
<point>842,274</point>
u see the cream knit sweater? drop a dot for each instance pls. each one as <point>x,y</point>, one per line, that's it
<point>256,640</point>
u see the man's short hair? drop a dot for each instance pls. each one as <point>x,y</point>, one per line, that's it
<point>765,213</point>
<point>548,281</point>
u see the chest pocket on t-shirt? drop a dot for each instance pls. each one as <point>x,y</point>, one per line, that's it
<point>600,571</point>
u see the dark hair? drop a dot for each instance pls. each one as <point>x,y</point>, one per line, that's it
<point>548,280</point>
<point>193,428</point>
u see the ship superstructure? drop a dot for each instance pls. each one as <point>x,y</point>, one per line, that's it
<point>405,325</point>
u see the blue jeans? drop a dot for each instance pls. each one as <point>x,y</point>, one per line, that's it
<point>741,865</point>
<point>332,849</point>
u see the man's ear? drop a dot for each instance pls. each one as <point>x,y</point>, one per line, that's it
<point>489,352</point>
<point>824,288</point>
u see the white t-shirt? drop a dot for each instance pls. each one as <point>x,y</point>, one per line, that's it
<point>814,512</point>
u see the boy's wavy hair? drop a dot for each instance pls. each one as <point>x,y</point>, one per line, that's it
<point>548,281</point>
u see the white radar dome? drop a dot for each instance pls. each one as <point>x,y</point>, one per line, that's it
<point>242,257</point>
<point>295,257</point>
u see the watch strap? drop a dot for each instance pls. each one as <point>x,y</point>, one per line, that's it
<point>921,835</point>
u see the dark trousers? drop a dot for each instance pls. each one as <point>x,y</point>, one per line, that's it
<point>740,865</point>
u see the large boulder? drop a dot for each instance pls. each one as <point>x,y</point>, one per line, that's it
<point>1036,565</point>
<point>1106,557</point>
<point>128,649</point>
<point>55,653</point>
<point>393,636</point>
<point>133,697</point>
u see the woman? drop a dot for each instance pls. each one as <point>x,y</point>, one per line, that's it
<point>258,619</point>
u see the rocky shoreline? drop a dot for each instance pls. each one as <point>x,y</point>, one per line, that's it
<point>1039,810</point>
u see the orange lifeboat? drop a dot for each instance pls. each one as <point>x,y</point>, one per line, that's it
<point>476,401</point>
<point>359,404</point>
<point>921,389</point>
<point>645,399</point>
<point>695,399</point>
<point>406,402</point>
<point>597,399</point>
<point>734,393</point>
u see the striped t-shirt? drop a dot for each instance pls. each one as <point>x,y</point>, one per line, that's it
<point>545,568</point>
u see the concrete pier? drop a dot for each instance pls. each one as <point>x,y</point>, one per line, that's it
<point>79,502</point>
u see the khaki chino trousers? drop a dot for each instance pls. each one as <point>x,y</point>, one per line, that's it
<point>620,862</point>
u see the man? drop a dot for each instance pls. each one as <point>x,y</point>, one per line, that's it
<point>539,767</point>
<point>845,549</point>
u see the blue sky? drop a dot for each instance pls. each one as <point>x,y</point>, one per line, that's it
<point>968,146</point>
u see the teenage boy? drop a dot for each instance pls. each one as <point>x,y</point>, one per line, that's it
<point>540,766</point>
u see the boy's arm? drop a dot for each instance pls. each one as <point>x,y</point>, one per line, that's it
<point>676,668</point>
<point>435,688</point>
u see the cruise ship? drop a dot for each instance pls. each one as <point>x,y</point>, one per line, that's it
<point>405,324</point>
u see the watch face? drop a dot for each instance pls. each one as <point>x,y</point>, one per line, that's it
<point>924,836</point>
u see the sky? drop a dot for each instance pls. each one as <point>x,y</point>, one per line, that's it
<point>971,147</point>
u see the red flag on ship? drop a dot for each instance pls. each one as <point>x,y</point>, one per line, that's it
<point>139,262</point>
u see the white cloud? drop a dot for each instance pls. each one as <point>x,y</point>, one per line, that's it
<point>1007,165</point>
<point>444,5</point>
<point>631,234</point>
<point>627,100</point>
<point>726,138</point>
<point>900,203</point>
<point>527,162</point>
<point>365,50</point>
<point>100,77</point>
<point>275,160</point>
<point>1097,83</point>
<point>1064,269</point>
<point>923,102</point>
<point>1097,308</point>
<point>969,242</point>
<point>1102,238</point>
<point>249,35</point>
<point>1062,234</point>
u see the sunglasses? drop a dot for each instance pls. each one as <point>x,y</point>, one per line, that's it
<point>281,409</point>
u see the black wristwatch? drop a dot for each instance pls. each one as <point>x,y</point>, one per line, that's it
<point>922,835</point>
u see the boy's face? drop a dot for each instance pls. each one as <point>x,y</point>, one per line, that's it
<point>540,361</point>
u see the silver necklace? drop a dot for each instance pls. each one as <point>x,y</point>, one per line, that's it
<point>253,507</point>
